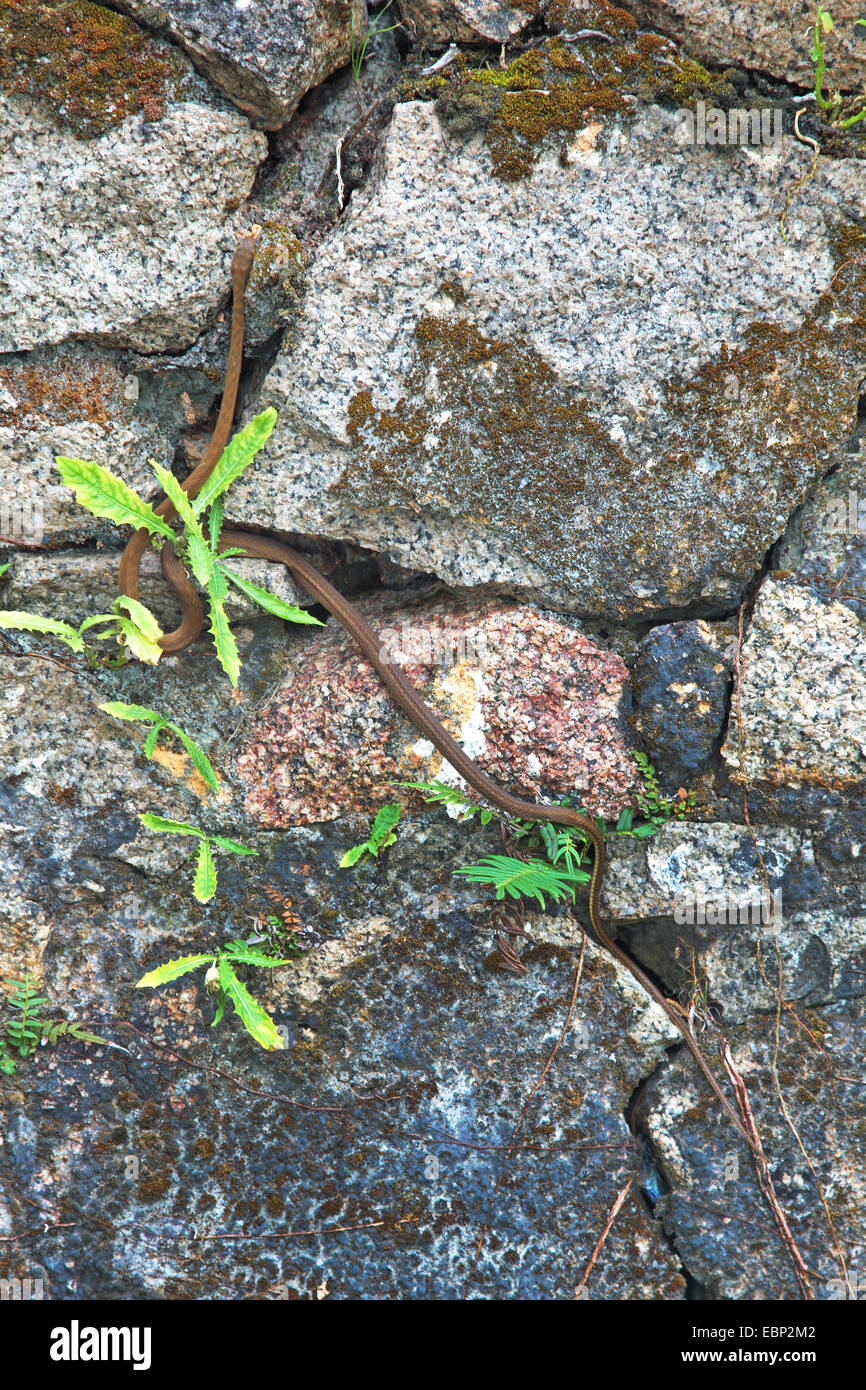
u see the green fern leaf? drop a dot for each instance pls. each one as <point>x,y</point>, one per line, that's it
<point>101,493</point>
<point>223,640</point>
<point>199,758</point>
<point>265,599</point>
<point>257,1022</point>
<point>516,879</point>
<point>171,827</point>
<point>33,622</point>
<point>205,881</point>
<point>236,456</point>
<point>172,970</point>
<point>134,713</point>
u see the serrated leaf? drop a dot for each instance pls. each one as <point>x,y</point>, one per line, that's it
<point>140,615</point>
<point>134,713</point>
<point>224,642</point>
<point>200,759</point>
<point>352,856</point>
<point>173,969</point>
<point>238,453</point>
<point>265,599</point>
<point>231,845</point>
<point>386,819</point>
<point>172,827</point>
<point>4,568</point>
<point>140,646</point>
<point>103,494</point>
<point>215,523</point>
<point>220,1009</point>
<point>248,955</point>
<point>150,741</point>
<point>15,621</point>
<point>205,881</point>
<point>178,498</point>
<point>255,1019</point>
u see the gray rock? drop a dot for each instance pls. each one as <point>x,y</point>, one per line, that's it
<point>465,21</point>
<point>720,1224</point>
<point>85,401</point>
<point>633,475</point>
<point>823,547</point>
<point>264,57</point>
<point>798,718</point>
<point>96,241</point>
<point>685,862</point>
<point>773,37</point>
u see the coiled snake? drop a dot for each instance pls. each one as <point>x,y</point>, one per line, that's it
<point>401,690</point>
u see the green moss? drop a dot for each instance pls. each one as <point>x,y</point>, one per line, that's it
<point>91,67</point>
<point>558,87</point>
<point>279,261</point>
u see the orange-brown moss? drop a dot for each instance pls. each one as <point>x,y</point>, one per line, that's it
<point>60,391</point>
<point>90,66</point>
<point>555,88</point>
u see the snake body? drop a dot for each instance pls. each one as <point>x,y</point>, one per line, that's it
<point>399,687</point>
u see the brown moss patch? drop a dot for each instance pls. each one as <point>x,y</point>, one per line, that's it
<point>90,66</point>
<point>556,88</point>
<point>60,391</point>
<point>487,432</point>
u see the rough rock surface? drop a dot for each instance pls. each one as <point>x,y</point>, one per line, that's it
<point>95,240</point>
<point>645,466</point>
<point>798,715</point>
<point>648,384</point>
<point>720,1225</point>
<point>825,544</point>
<point>466,21</point>
<point>680,684</point>
<point>773,36</point>
<point>84,401</point>
<point>140,1152</point>
<point>533,701</point>
<point>263,57</point>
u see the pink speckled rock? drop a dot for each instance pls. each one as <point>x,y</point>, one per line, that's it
<point>532,700</point>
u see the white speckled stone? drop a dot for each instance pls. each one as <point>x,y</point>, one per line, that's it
<point>773,36</point>
<point>803,698</point>
<point>125,238</point>
<point>624,272</point>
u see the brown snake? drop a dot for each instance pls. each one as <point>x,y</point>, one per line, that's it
<point>398,686</point>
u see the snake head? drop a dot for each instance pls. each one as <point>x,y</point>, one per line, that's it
<point>242,262</point>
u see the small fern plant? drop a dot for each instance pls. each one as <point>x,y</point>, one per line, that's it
<point>130,623</point>
<point>205,879</point>
<point>223,981</point>
<point>837,110</point>
<point>158,722</point>
<point>22,1028</point>
<point>106,495</point>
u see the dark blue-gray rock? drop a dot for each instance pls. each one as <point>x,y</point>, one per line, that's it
<point>680,685</point>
